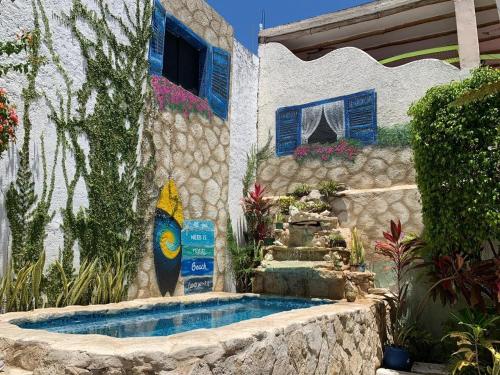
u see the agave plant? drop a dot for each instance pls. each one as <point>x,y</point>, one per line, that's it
<point>22,290</point>
<point>111,281</point>
<point>402,253</point>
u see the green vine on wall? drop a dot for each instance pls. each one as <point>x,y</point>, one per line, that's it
<point>28,213</point>
<point>116,85</point>
<point>110,113</point>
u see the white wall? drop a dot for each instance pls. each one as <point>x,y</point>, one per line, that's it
<point>16,16</point>
<point>286,80</point>
<point>243,116</point>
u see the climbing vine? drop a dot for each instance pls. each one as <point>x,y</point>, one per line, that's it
<point>116,88</point>
<point>108,111</point>
<point>29,213</point>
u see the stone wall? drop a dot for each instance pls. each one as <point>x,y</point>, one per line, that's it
<point>286,80</point>
<point>335,339</point>
<point>373,167</point>
<point>194,151</point>
<point>197,154</point>
<point>203,20</point>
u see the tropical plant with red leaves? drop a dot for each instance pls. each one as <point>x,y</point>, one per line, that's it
<point>257,212</point>
<point>477,281</point>
<point>402,253</point>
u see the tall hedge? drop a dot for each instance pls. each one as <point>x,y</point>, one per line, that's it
<point>457,159</point>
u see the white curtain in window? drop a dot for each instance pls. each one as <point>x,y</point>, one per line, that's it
<point>334,113</point>
<point>311,117</point>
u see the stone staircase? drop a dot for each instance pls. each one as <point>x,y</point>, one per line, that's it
<point>302,262</point>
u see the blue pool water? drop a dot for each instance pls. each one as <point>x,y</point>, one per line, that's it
<point>164,320</point>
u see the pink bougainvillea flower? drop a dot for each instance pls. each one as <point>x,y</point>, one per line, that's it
<point>174,97</point>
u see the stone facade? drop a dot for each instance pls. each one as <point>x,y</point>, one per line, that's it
<point>372,209</point>
<point>373,167</point>
<point>336,339</point>
<point>195,151</point>
<point>203,20</point>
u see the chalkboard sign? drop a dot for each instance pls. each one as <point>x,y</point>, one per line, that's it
<point>197,268</point>
<point>198,285</point>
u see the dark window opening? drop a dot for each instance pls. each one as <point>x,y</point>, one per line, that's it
<point>323,133</point>
<point>182,63</point>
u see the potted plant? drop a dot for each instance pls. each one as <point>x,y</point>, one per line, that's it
<point>337,240</point>
<point>278,222</point>
<point>402,254</point>
<point>357,252</point>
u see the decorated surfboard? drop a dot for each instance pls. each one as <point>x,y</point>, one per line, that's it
<point>167,248</point>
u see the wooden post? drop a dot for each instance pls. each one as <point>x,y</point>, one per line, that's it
<point>468,43</point>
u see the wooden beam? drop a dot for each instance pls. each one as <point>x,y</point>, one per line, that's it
<point>333,44</point>
<point>404,41</point>
<point>280,34</point>
<point>468,40</point>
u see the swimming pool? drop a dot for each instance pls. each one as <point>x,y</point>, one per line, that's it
<point>165,320</point>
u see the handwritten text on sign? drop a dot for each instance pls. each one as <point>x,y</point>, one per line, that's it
<point>197,268</point>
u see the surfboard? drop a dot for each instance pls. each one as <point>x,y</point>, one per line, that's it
<point>167,248</point>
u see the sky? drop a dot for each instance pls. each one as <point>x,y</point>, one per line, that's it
<point>245,15</point>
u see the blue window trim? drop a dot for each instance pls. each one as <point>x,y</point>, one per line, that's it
<point>176,27</point>
<point>374,125</point>
<point>280,152</point>
<point>343,98</point>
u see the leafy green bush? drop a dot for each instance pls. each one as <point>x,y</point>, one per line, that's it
<point>243,260</point>
<point>285,202</point>
<point>394,136</point>
<point>302,190</point>
<point>329,188</point>
<point>316,206</point>
<point>458,164</point>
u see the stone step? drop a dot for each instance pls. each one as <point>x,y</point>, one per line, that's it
<point>305,253</point>
<point>307,279</point>
<point>15,371</point>
<point>419,368</point>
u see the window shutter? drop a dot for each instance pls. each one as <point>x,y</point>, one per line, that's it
<point>288,126</point>
<point>361,117</point>
<point>219,82</point>
<point>156,44</point>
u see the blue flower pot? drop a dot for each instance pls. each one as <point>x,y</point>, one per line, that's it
<point>397,359</point>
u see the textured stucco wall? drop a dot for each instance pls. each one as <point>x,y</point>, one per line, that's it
<point>16,16</point>
<point>286,80</point>
<point>196,152</point>
<point>243,125</point>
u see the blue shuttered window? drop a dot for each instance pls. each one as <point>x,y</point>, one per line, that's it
<point>288,128</point>
<point>361,117</point>
<point>156,44</point>
<point>219,70</point>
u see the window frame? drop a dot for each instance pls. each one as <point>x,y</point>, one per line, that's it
<point>347,132</point>
<point>218,104</point>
